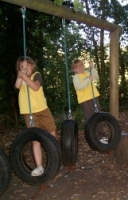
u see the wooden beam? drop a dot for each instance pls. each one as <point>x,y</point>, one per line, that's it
<point>47,6</point>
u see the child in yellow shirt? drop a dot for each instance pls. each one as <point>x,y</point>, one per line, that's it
<point>28,76</point>
<point>86,90</point>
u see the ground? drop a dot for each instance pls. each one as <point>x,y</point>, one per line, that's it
<point>95,175</point>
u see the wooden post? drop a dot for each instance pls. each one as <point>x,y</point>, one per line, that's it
<point>114,68</point>
<point>121,152</point>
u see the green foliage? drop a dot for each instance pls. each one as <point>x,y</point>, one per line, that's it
<point>79,117</point>
<point>77,5</point>
<point>58,2</point>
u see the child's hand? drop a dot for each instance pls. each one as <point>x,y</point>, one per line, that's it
<point>91,78</point>
<point>91,64</point>
<point>21,74</point>
<point>23,66</point>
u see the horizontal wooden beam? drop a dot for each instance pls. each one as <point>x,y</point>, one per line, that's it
<point>47,6</point>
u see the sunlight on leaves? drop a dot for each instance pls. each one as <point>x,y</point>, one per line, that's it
<point>58,2</point>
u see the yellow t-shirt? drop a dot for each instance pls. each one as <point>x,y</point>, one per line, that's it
<point>37,99</point>
<point>83,87</point>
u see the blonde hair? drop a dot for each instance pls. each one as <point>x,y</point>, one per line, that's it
<point>29,60</point>
<point>75,62</point>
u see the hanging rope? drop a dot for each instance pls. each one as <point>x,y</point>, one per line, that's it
<point>91,59</point>
<point>23,9</point>
<point>66,65</point>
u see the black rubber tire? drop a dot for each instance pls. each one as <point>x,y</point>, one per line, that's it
<point>69,142</point>
<point>52,148</point>
<point>90,132</point>
<point>5,172</point>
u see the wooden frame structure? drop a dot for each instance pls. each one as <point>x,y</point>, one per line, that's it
<point>47,6</point>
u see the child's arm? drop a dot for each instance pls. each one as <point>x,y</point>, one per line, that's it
<point>18,82</point>
<point>93,71</point>
<point>35,85</point>
<point>79,85</point>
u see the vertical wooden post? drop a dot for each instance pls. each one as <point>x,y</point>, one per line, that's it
<point>114,68</point>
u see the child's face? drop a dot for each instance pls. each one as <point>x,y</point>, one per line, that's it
<point>29,69</point>
<point>79,68</point>
<point>26,67</point>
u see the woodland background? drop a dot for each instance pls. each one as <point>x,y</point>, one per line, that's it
<point>45,44</point>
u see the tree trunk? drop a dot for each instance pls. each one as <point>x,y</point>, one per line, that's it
<point>123,83</point>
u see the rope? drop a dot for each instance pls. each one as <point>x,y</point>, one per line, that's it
<point>91,56</point>
<point>66,66</point>
<point>42,187</point>
<point>96,165</point>
<point>23,9</point>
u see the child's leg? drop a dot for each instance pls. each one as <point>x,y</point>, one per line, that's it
<point>47,123</point>
<point>37,153</point>
<point>38,159</point>
<point>54,134</point>
<point>88,108</point>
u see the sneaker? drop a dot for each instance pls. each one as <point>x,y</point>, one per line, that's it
<point>104,140</point>
<point>37,171</point>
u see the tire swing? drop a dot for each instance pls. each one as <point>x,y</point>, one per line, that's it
<point>21,151</point>
<point>110,128</point>
<point>21,155</point>
<point>5,172</point>
<point>69,134</point>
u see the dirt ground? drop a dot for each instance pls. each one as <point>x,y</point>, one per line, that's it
<point>93,177</point>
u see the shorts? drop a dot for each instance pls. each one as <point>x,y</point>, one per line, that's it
<point>42,119</point>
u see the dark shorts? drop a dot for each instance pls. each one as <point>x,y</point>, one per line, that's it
<point>42,119</point>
